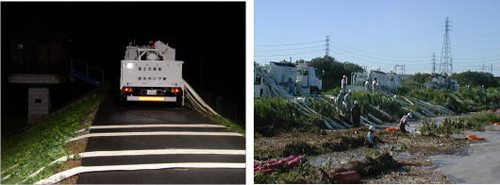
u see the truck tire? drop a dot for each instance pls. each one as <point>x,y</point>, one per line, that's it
<point>123,100</point>
<point>178,103</point>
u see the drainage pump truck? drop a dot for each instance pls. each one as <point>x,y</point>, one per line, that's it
<point>151,73</point>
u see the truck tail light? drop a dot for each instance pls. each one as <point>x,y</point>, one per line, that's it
<point>176,90</point>
<point>127,89</point>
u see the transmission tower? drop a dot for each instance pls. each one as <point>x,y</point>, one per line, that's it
<point>327,46</point>
<point>488,68</point>
<point>446,61</point>
<point>433,62</point>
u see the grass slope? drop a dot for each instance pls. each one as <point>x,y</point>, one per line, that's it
<point>44,143</point>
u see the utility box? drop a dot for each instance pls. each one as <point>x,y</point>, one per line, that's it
<point>38,103</point>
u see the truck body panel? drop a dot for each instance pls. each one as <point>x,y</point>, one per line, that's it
<point>151,73</point>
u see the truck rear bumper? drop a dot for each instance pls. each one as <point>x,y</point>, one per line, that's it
<point>152,98</point>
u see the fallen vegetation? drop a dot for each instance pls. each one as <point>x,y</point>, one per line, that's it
<point>351,142</point>
<point>461,101</point>
<point>370,166</point>
<point>450,126</point>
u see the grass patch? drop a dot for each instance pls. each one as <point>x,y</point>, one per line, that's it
<point>304,174</point>
<point>231,125</point>
<point>276,115</point>
<point>450,126</point>
<point>463,100</point>
<point>226,122</point>
<point>44,143</point>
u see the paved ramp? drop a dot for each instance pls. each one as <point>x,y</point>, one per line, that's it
<point>157,118</point>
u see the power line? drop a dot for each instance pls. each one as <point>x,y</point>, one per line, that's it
<point>290,49</point>
<point>378,57</point>
<point>474,58</point>
<point>290,54</point>
<point>289,44</point>
<point>364,51</point>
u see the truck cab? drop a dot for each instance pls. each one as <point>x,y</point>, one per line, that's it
<point>308,79</point>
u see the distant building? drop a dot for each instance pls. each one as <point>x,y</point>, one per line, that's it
<point>442,82</point>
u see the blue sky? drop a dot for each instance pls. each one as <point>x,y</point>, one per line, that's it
<point>380,33</point>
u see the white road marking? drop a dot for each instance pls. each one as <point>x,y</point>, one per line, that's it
<point>159,133</point>
<point>158,126</point>
<point>85,169</point>
<point>144,152</point>
<point>161,152</point>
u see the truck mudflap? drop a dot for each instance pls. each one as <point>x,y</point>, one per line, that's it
<point>152,98</point>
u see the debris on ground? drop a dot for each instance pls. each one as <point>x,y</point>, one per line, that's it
<point>474,137</point>
<point>370,165</point>
<point>347,177</point>
<point>272,165</point>
<point>392,129</point>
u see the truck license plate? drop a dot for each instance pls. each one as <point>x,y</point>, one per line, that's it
<point>151,92</point>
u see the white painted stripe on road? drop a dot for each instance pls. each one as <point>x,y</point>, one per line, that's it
<point>85,169</point>
<point>158,126</point>
<point>144,152</point>
<point>160,133</point>
<point>161,152</point>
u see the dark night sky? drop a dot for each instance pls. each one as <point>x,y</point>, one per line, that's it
<point>209,37</point>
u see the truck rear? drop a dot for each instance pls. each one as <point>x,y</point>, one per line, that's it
<point>151,73</point>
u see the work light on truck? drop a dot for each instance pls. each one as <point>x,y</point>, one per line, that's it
<point>130,65</point>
